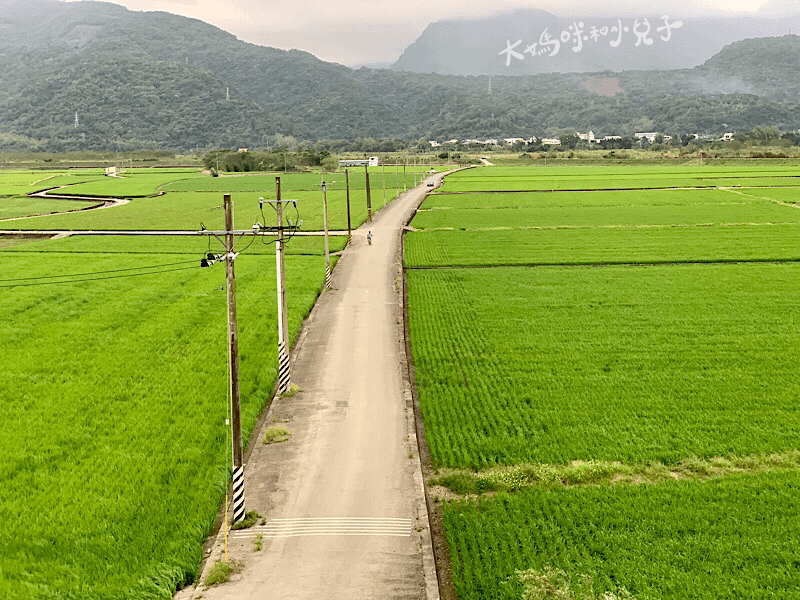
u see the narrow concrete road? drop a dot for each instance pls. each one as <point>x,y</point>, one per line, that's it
<point>343,498</point>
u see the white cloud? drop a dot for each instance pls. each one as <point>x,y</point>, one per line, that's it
<point>364,31</point>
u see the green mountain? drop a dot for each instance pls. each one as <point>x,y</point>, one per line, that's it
<point>156,80</point>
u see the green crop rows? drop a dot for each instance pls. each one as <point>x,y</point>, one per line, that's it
<point>113,379</point>
<point>191,199</point>
<point>731,538</point>
<point>624,331</point>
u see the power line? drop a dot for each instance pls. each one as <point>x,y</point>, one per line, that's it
<point>97,272</point>
<point>13,285</point>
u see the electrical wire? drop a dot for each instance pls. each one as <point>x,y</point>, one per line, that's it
<point>40,283</point>
<point>248,245</point>
<point>48,277</point>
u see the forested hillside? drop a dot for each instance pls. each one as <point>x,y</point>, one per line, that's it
<point>155,80</point>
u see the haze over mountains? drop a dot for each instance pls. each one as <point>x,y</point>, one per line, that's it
<point>656,40</point>
<point>93,75</point>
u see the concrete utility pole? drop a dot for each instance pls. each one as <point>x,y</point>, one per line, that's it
<point>328,282</point>
<point>284,365</point>
<point>347,183</point>
<point>369,195</point>
<point>233,356</point>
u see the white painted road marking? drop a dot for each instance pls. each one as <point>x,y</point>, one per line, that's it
<point>334,526</point>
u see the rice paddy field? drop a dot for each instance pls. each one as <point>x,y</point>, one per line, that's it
<point>605,361</point>
<point>113,372</point>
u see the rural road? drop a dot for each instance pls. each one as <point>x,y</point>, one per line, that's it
<point>343,498</point>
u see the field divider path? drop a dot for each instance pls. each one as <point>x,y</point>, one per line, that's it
<point>741,192</point>
<point>712,186</point>
<point>453,484</point>
<point>610,263</point>
<point>100,202</point>
<point>342,501</point>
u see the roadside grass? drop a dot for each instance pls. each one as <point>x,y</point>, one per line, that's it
<point>221,572</point>
<point>251,517</point>
<point>466,482</point>
<point>276,435</point>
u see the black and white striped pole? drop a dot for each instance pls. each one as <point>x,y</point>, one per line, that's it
<point>284,365</point>
<point>238,494</point>
<point>233,355</point>
<point>328,281</point>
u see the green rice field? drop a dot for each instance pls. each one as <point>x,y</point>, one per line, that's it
<point>113,376</point>
<point>644,322</point>
<point>185,199</point>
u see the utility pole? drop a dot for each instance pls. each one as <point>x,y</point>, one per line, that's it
<point>383,179</point>
<point>347,183</point>
<point>233,356</point>
<point>369,194</point>
<point>284,365</point>
<point>328,282</point>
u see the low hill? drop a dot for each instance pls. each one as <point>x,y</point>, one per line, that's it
<point>156,80</point>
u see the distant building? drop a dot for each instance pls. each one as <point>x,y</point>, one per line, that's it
<point>589,137</point>
<point>434,144</point>
<point>372,161</point>
<point>650,136</point>
<point>551,142</point>
<point>727,137</point>
<point>475,142</point>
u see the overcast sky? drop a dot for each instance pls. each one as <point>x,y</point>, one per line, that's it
<point>355,32</point>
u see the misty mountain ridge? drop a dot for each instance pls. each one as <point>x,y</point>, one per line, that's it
<point>528,42</point>
<point>94,75</point>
